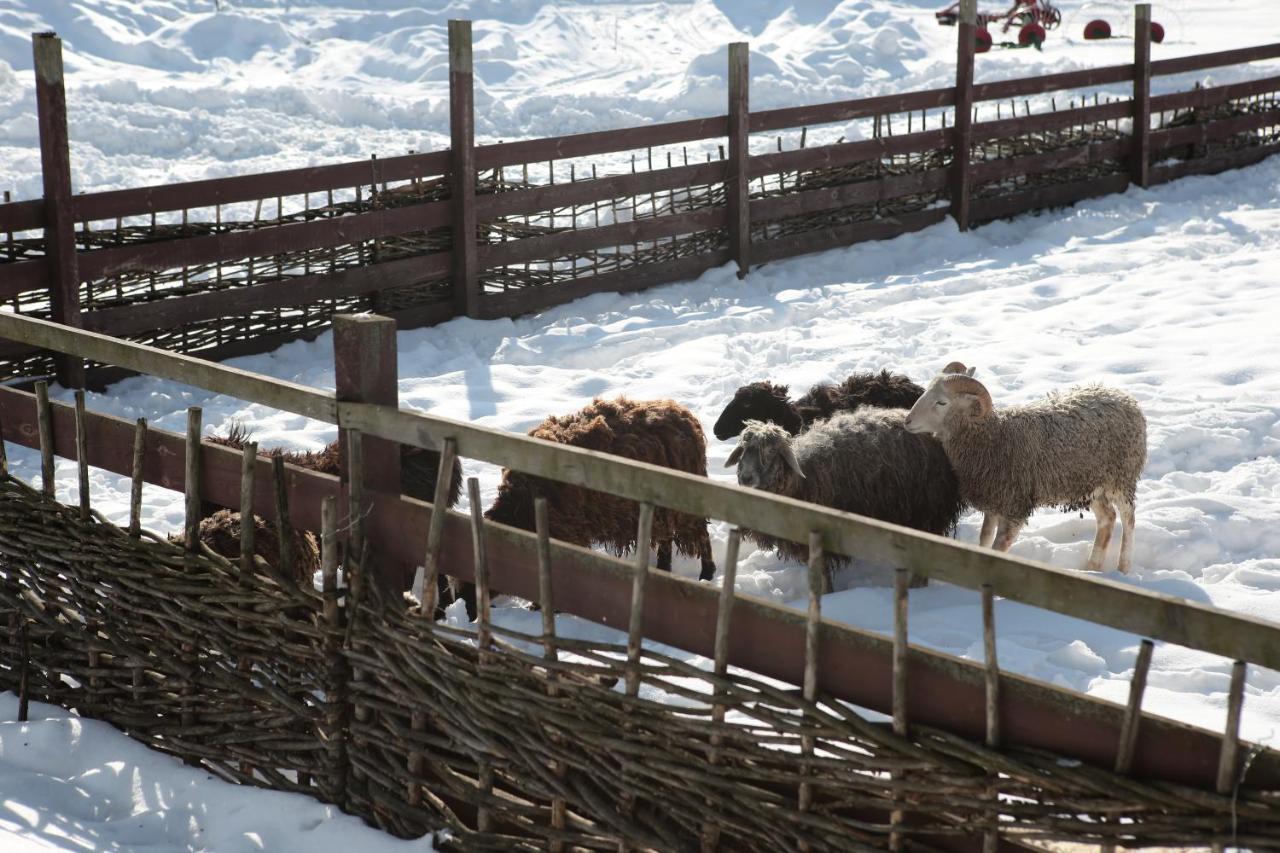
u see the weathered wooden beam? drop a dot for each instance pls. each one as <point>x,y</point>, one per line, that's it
<point>1140,169</point>
<point>962,129</point>
<point>365,371</point>
<point>218,378</point>
<point>467,291</point>
<point>778,119</point>
<point>59,225</point>
<point>847,153</point>
<point>1217,59</point>
<point>598,142</point>
<point>1083,79</point>
<point>736,183</point>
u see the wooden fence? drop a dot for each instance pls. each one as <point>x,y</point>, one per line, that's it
<point>414,735</point>
<point>236,265</point>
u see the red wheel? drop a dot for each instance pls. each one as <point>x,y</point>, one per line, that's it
<point>1157,32</point>
<point>1095,30</point>
<point>1031,34</point>
<point>982,40</point>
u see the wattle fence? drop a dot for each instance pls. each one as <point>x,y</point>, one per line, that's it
<point>801,732</point>
<point>237,265</point>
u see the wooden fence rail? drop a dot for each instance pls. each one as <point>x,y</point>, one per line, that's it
<point>383,234</point>
<point>402,523</point>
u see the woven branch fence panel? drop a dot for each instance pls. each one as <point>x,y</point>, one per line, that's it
<point>413,726</point>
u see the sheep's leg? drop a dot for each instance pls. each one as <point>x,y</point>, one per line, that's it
<point>664,555</point>
<point>1128,523</point>
<point>988,534</point>
<point>704,555</point>
<point>1007,532</point>
<point>1106,515</point>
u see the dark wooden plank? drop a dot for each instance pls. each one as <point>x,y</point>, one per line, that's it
<point>961,140</point>
<point>290,237</point>
<point>285,293</point>
<point>22,276</point>
<point>1010,127</point>
<point>854,665</point>
<point>462,171</point>
<point>737,189</point>
<point>599,142</point>
<point>1140,156</point>
<point>22,215</point>
<point>139,201</point>
<point>1215,60</point>
<point>1061,158</point>
<point>1086,78</point>
<point>569,242</point>
<point>59,228</point>
<point>846,235</point>
<point>828,198</point>
<point>848,153</point>
<point>848,110</point>
<point>1214,95</point>
<point>538,199</point>
<point>1200,134</point>
<point>1043,198</point>
<point>529,299</point>
<point>428,314</point>
<point>1164,173</point>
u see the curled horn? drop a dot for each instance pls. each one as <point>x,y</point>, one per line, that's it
<point>968,385</point>
<point>958,367</point>
<point>790,456</point>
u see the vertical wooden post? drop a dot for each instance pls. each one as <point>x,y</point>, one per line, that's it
<point>59,223</point>
<point>1140,169</point>
<point>44,423</point>
<point>736,191</point>
<point>1229,757</point>
<point>82,455</point>
<point>462,171</point>
<point>901,583</point>
<point>813,623</point>
<point>428,595</point>
<point>365,371</point>
<point>963,129</point>
<point>135,487</point>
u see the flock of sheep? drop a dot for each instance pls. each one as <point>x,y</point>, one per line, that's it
<point>877,445</point>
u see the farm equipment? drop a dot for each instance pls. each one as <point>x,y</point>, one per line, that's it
<point>1099,28</point>
<point>1033,18</point>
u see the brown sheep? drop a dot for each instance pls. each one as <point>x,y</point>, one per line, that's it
<point>221,532</point>
<point>661,432</point>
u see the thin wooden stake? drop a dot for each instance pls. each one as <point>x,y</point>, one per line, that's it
<point>724,612</point>
<point>559,808</point>
<point>191,481</point>
<point>1227,759</point>
<point>82,455</point>
<point>1132,718</point>
<point>24,672</point>
<point>901,583</point>
<point>284,527</point>
<point>4,454</point>
<point>817,563</point>
<point>135,490</point>
<point>429,593</point>
<point>44,420</point>
<point>248,467</point>
<point>991,837</point>
<point>644,534</point>
<point>333,617</point>
<point>484,820</point>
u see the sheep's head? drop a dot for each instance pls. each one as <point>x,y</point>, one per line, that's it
<point>765,458</point>
<point>759,401</point>
<point>948,397</point>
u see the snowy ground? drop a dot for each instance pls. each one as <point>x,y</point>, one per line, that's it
<point>1169,294</point>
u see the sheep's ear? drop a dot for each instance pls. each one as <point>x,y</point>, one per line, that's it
<point>970,371</point>
<point>790,456</point>
<point>733,457</point>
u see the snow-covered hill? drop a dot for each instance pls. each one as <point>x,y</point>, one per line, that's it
<point>1170,294</point>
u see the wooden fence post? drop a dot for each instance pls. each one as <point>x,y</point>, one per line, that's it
<point>963,129</point>
<point>59,223</point>
<point>737,191</point>
<point>1140,169</point>
<point>365,371</point>
<point>462,171</point>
